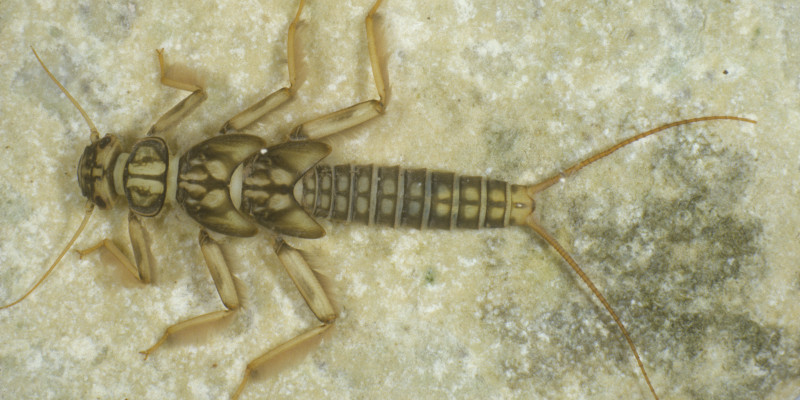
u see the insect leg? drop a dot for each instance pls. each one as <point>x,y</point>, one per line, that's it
<point>349,117</point>
<point>307,283</point>
<point>273,100</point>
<point>223,280</point>
<point>180,110</point>
<point>142,256</point>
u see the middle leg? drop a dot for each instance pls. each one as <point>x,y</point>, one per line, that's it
<point>349,117</point>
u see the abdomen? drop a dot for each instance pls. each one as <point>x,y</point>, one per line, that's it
<point>414,198</point>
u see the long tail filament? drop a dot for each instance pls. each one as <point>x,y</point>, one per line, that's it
<point>605,153</point>
<point>531,221</point>
<point>549,239</point>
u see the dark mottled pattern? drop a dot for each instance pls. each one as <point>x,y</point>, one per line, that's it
<point>268,182</point>
<point>204,173</point>
<point>684,264</point>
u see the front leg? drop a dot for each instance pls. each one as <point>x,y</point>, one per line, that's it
<point>184,107</point>
<point>221,274</point>
<point>142,267</point>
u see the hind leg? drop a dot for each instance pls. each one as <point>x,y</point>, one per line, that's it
<point>309,287</point>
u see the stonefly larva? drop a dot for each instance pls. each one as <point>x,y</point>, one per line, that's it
<point>454,182</point>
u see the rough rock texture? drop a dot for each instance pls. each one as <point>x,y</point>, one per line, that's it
<point>692,235</point>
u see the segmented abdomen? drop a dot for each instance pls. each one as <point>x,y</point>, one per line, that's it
<point>415,198</point>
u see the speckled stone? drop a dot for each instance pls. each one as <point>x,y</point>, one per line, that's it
<point>691,235</point>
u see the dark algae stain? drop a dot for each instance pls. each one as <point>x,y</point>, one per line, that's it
<point>703,256</point>
<point>677,277</point>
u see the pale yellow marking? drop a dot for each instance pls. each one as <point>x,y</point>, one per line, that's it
<point>194,189</point>
<point>145,185</point>
<point>279,202</point>
<point>469,212</point>
<point>416,190</point>
<point>442,192</point>
<point>496,195</point>
<point>195,174</point>
<point>471,194</point>
<point>363,184</point>
<point>495,213</point>
<point>217,169</point>
<point>362,205</point>
<point>342,182</point>
<point>282,177</point>
<point>214,199</point>
<point>387,207</point>
<point>388,186</point>
<point>341,204</point>
<point>153,168</point>
<point>414,208</point>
